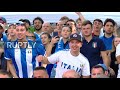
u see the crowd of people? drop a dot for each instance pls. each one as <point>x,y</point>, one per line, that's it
<point>67,49</point>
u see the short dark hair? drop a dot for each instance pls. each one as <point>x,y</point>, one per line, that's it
<point>99,66</point>
<point>78,20</point>
<point>109,20</point>
<point>87,22</point>
<point>40,68</point>
<point>46,33</point>
<point>38,18</point>
<point>65,25</point>
<point>27,21</point>
<point>64,18</point>
<point>99,20</point>
<point>71,20</point>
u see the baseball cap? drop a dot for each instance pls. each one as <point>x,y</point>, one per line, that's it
<point>2,20</point>
<point>103,66</point>
<point>75,36</point>
<point>25,20</point>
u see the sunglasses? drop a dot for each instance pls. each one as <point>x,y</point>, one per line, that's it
<point>2,22</point>
<point>30,36</point>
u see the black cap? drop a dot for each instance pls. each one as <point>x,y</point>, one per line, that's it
<point>75,36</point>
<point>25,20</point>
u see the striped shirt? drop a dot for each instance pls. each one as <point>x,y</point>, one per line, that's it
<point>24,59</point>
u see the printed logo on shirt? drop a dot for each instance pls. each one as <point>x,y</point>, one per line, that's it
<point>81,65</point>
<point>29,51</point>
<point>67,66</point>
<point>94,44</point>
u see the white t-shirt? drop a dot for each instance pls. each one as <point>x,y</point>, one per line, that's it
<point>117,54</point>
<point>66,61</point>
<point>118,50</point>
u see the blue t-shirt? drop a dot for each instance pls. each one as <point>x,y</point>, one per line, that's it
<point>107,42</point>
<point>24,59</point>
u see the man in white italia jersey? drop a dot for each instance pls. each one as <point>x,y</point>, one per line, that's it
<point>69,59</point>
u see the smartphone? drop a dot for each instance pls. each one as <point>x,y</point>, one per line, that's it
<point>55,34</point>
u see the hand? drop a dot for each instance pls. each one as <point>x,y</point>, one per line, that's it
<point>16,77</point>
<point>112,72</point>
<point>40,58</point>
<point>78,13</point>
<point>54,40</point>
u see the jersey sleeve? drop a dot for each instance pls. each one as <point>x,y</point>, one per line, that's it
<point>40,49</point>
<point>86,69</point>
<point>5,37</point>
<point>7,53</point>
<point>54,57</point>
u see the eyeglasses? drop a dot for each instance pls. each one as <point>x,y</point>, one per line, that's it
<point>16,24</point>
<point>66,25</point>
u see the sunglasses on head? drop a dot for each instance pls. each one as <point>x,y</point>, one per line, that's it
<point>2,22</point>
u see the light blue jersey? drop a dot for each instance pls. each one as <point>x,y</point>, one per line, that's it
<point>4,37</point>
<point>24,59</point>
<point>61,45</point>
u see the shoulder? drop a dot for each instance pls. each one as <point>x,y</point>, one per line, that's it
<point>83,58</point>
<point>64,51</point>
<point>97,39</point>
<point>60,40</point>
<point>101,37</point>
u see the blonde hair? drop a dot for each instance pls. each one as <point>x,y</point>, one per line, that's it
<point>118,32</point>
<point>113,46</point>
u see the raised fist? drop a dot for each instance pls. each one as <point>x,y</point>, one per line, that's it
<point>39,58</point>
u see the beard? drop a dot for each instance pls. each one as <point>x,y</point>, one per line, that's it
<point>38,29</point>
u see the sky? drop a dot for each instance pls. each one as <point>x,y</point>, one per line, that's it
<point>55,16</point>
<point>15,13</point>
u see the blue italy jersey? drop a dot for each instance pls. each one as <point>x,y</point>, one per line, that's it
<point>4,37</point>
<point>38,39</point>
<point>61,45</point>
<point>24,59</point>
